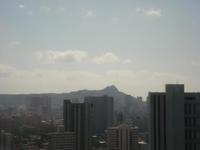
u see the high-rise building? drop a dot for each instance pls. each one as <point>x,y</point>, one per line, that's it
<point>62,141</point>
<point>103,112</point>
<point>122,137</point>
<point>41,105</point>
<point>78,118</point>
<point>174,119</point>
<point>6,141</point>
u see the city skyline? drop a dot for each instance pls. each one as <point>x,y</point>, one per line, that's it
<point>62,46</point>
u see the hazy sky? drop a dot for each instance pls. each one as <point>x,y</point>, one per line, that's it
<point>64,45</point>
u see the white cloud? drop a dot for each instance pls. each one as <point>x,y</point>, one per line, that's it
<point>149,12</point>
<point>72,56</point>
<point>106,58</point>
<point>6,70</point>
<point>127,61</point>
<point>136,82</point>
<point>40,55</point>
<point>109,58</point>
<point>68,56</point>
<point>88,14</point>
<point>153,12</point>
<point>21,6</point>
<point>44,80</point>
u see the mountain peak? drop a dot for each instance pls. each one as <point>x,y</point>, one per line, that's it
<point>111,88</point>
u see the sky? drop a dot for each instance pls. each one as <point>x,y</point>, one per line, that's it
<point>67,45</point>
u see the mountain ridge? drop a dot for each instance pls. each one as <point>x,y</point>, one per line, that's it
<point>123,102</point>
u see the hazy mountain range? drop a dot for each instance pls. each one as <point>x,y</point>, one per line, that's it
<point>122,102</point>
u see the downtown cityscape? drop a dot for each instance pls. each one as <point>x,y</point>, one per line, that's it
<point>50,121</point>
<point>168,120</point>
<point>99,75</point>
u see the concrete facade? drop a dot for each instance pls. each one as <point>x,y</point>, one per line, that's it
<point>103,112</point>
<point>6,141</point>
<point>122,137</point>
<point>78,118</point>
<point>171,126</point>
<point>62,141</point>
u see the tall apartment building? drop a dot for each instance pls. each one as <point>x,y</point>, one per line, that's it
<point>78,118</point>
<point>6,141</point>
<point>122,137</point>
<point>62,141</point>
<point>103,112</point>
<point>174,119</point>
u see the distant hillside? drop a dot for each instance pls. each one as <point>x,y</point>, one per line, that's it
<point>122,102</point>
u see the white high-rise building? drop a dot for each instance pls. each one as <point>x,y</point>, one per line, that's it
<point>122,137</point>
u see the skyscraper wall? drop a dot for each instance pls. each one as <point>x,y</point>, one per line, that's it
<point>174,119</point>
<point>6,141</point>
<point>103,112</point>
<point>78,118</point>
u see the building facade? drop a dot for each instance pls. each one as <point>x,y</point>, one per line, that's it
<point>122,137</point>
<point>78,118</point>
<point>142,145</point>
<point>62,141</point>
<point>6,141</point>
<point>174,119</point>
<point>103,112</point>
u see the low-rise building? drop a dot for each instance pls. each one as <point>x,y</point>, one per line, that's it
<point>62,141</point>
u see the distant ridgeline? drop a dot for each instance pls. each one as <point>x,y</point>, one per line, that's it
<point>122,102</point>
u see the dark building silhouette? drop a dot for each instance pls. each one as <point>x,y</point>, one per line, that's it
<point>103,112</point>
<point>174,119</point>
<point>78,118</point>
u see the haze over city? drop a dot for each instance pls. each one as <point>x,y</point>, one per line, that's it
<point>99,75</point>
<point>61,46</point>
